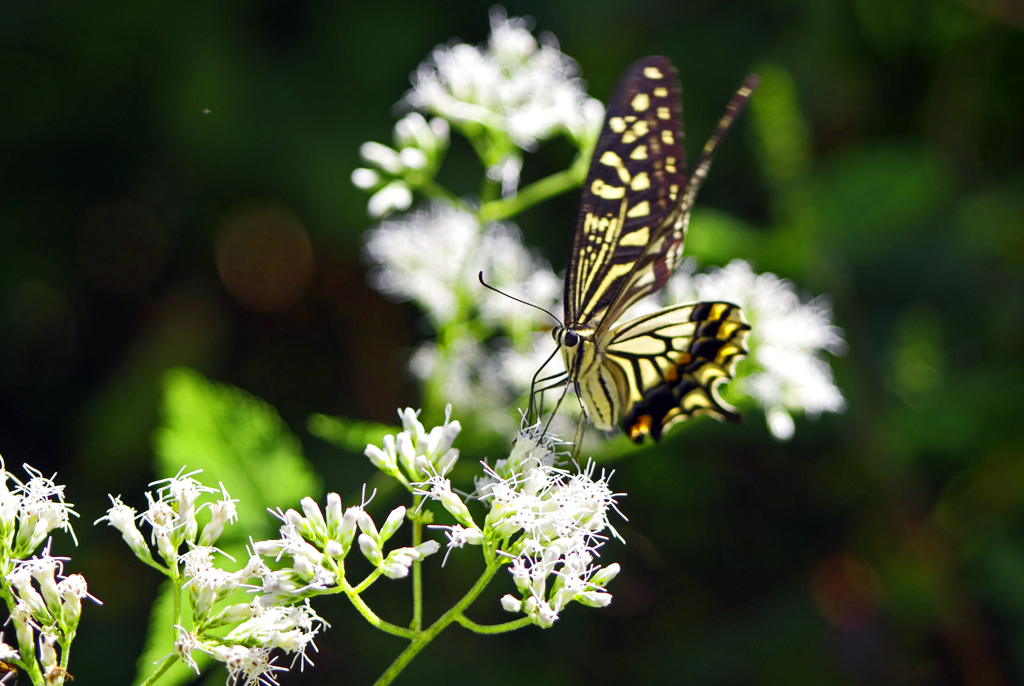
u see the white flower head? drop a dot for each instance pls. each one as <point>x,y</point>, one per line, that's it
<point>788,339</point>
<point>525,88</point>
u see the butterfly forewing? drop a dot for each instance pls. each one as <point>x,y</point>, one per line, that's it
<point>636,179</point>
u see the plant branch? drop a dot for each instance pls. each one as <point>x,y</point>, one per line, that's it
<point>492,628</point>
<point>538,191</point>
<point>424,637</point>
<point>376,621</point>
<point>162,667</point>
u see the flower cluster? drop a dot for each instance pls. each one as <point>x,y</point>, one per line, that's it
<point>40,599</point>
<point>411,164</point>
<point>514,88</point>
<point>307,559</point>
<point>543,521</point>
<point>788,339</point>
<point>433,256</point>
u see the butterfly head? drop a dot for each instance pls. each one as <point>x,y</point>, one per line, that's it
<point>565,337</point>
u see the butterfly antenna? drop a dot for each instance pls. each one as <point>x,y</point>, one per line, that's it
<point>536,307</point>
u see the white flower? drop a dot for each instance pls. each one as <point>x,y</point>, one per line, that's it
<point>394,196</point>
<point>787,341</point>
<point>528,90</point>
<point>246,666</point>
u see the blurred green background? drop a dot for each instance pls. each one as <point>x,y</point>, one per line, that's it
<point>174,191</point>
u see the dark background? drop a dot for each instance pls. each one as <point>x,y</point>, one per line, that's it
<point>142,144</point>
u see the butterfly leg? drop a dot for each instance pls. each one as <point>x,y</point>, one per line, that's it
<point>533,385</point>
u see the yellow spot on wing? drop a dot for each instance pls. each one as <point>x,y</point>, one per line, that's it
<point>617,124</point>
<point>640,128</point>
<point>663,113</point>
<point>639,153</point>
<point>638,237</point>
<point>641,210</point>
<point>640,182</point>
<point>611,159</point>
<point>661,92</point>
<point>603,190</point>
<point>641,102</point>
<point>653,73</point>
<point>667,138</point>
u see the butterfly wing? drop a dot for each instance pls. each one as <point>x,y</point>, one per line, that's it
<point>660,257</point>
<point>668,365</point>
<point>636,181</point>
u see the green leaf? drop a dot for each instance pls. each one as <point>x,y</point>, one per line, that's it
<point>160,641</point>
<point>237,440</point>
<point>348,434</point>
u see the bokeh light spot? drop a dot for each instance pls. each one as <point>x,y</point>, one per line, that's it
<point>264,257</point>
<point>846,591</point>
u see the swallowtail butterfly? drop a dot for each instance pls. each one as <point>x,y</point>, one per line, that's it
<point>662,368</point>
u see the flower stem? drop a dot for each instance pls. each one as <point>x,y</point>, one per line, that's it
<point>426,636</point>
<point>376,621</point>
<point>162,667</point>
<point>538,191</point>
<point>417,570</point>
<point>493,628</point>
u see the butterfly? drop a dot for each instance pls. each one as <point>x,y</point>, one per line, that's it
<point>656,370</point>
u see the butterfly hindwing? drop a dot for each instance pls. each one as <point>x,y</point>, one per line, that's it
<point>671,363</point>
<point>636,179</point>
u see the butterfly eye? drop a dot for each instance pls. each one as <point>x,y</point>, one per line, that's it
<point>571,338</point>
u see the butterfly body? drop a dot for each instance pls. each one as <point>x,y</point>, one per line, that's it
<point>655,370</point>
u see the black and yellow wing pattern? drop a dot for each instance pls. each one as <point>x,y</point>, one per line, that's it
<point>656,370</point>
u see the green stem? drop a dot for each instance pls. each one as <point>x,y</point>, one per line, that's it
<point>417,570</point>
<point>162,667</point>
<point>422,638</point>
<point>538,191</point>
<point>493,628</point>
<point>376,621</point>
<point>365,583</point>
<point>432,189</point>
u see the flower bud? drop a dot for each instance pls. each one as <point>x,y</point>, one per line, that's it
<point>429,547</point>
<point>413,158</point>
<point>454,504</point>
<point>382,156</point>
<point>365,178</point>
<point>43,571</point>
<point>511,604</point>
<point>605,575</point>
<point>593,598</point>
<point>347,531</point>
<point>394,570</point>
<point>72,590</point>
<point>168,551</point>
<point>21,580</point>
<point>370,549</point>
<point>334,514</point>
<point>383,461</point>
<point>333,550</point>
<point>394,196</point>
<point>47,651</point>
<point>22,616</point>
<point>366,524</point>
<point>315,516</point>
<point>392,523</point>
